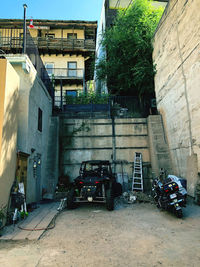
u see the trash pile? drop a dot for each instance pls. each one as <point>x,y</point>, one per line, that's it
<point>131,197</point>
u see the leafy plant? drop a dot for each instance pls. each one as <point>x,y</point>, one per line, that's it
<point>89,98</point>
<point>128,67</point>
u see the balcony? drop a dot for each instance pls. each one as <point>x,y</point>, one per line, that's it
<point>64,44</point>
<point>10,43</point>
<point>68,76</point>
<point>53,45</point>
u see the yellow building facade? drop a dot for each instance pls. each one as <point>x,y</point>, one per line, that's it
<point>8,128</point>
<point>66,48</point>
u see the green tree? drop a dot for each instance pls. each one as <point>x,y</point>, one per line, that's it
<point>128,67</point>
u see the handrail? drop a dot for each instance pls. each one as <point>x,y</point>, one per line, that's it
<point>63,73</point>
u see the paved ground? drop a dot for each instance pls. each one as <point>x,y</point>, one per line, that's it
<point>132,235</point>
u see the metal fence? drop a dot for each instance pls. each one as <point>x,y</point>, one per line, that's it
<point>129,106</point>
<point>110,106</point>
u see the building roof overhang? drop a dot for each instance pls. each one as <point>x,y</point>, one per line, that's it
<point>60,24</point>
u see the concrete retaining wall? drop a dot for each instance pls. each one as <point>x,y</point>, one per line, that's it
<point>176,55</point>
<point>95,139</point>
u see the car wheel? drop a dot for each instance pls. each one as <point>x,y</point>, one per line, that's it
<point>70,199</point>
<point>117,187</point>
<point>109,199</point>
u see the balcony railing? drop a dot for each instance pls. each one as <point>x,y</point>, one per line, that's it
<point>43,43</point>
<point>63,73</point>
<point>11,42</point>
<point>64,43</point>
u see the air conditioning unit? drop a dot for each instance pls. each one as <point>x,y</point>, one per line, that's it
<point>153,103</point>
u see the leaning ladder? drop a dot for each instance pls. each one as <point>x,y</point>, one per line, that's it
<point>137,183</point>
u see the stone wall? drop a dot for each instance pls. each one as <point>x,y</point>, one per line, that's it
<point>158,146</point>
<point>176,55</point>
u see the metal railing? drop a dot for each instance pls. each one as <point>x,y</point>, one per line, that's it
<point>116,106</point>
<point>49,43</point>
<point>15,44</point>
<point>12,42</point>
<point>63,73</point>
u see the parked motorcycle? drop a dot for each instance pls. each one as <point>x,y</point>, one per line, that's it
<point>170,194</point>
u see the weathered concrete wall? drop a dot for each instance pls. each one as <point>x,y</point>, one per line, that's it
<point>32,96</point>
<point>176,54</point>
<point>52,171</point>
<point>9,86</point>
<point>92,139</point>
<point>158,147</point>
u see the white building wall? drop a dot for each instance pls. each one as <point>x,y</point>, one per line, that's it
<point>32,95</point>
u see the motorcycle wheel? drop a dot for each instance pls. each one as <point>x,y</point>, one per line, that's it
<point>179,213</point>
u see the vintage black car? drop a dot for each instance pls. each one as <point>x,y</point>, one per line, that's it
<point>95,183</point>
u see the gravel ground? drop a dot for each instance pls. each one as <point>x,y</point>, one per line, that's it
<point>132,235</point>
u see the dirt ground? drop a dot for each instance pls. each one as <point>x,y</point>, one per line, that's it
<point>131,235</point>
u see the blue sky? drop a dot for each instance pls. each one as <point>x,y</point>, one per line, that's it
<point>52,9</point>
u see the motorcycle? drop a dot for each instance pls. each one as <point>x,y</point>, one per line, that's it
<point>170,195</point>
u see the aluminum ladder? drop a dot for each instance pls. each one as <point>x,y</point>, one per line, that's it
<point>137,183</point>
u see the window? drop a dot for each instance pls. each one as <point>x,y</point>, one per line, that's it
<point>72,36</point>
<point>39,120</point>
<point>49,68</point>
<point>21,35</point>
<point>72,69</point>
<point>71,93</point>
<point>50,35</point>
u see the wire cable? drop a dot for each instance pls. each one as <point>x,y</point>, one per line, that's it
<point>45,228</point>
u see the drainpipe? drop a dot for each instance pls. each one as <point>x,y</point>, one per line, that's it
<point>61,94</point>
<point>24,31</point>
<point>84,84</point>
<point>113,144</point>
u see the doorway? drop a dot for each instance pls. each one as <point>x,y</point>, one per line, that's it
<point>21,174</point>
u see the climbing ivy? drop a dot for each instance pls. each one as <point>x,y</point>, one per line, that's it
<point>83,127</point>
